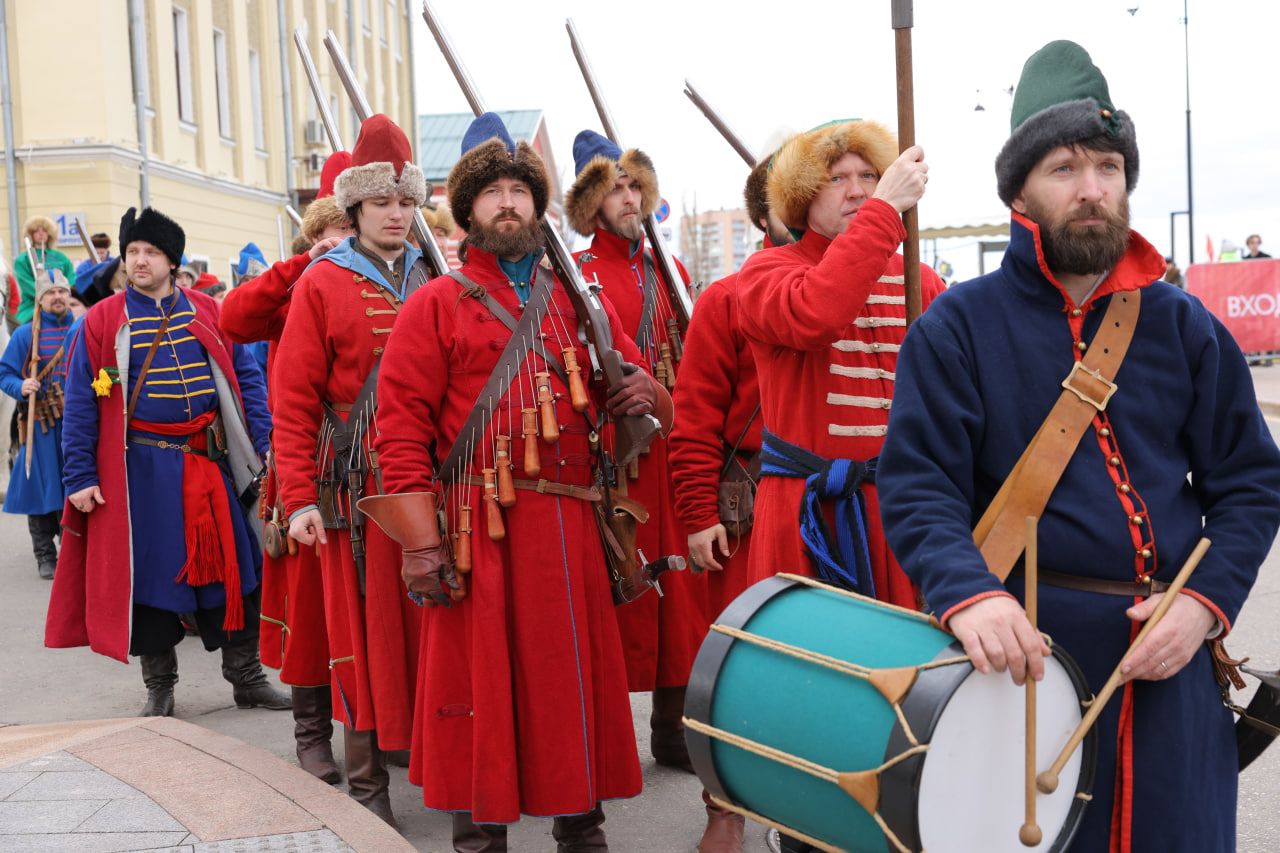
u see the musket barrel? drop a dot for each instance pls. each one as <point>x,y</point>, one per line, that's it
<point>85,241</point>
<point>294,215</point>
<point>597,97</point>
<point>318,93</point>
<point>735,141</point>
<point>460,74</point>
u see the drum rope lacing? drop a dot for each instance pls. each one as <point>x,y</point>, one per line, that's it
<point>804,765</point>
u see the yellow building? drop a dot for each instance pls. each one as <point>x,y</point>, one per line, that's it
<point>230,136</point>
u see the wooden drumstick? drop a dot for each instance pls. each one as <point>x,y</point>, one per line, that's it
<point>1047,781</point>
<point>1030,834</point>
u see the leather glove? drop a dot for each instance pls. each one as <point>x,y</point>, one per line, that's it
<point>428,573</point>
<point>633,395</point>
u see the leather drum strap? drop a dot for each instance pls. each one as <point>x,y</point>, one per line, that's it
<point>1001,532</point>
<point>146,365</point>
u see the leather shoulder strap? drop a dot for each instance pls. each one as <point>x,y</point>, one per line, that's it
<point>1001,533</point>
<point>644,333</point>
<point>478,291</point>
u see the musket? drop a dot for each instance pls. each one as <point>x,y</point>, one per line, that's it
<point>321,97</point>
<point>85,241</point>
<point>735,141</point>
<point>903,20</point>
<point>294,215</point>
<point>681,304</point>
<point>35,357</point>
<point>632,434</point>
<point>426,240</point>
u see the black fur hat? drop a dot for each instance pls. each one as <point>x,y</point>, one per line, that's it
<point>153,227</point>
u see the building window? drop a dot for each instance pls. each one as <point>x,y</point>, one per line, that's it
<point>382,21</point>
<point>222,83</point>
<point>182,61</point>
<point>255,93</point>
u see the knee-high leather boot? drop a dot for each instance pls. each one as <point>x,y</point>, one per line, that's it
<point>313,731</point>
<point>471,837</point>
<point>249,685</point>
<point>666,739</point>
<point>581,833</point>
<point>367,777</point>
<point>159,673</point>
<point>725,829</point>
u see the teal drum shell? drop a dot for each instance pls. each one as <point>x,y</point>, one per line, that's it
<point>830,718</point>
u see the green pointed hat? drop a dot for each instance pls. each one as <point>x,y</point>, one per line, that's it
<point>1061,98</point>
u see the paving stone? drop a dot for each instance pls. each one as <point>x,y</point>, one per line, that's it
<point>134,815</point>
<point>91,842</point>
<point>10,782</point>
<point>59,761</point>
<point>319,841</point>
<point>74,785</point>
<point>27,818</point>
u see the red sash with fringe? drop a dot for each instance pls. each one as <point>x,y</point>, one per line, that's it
<point>206,510</point>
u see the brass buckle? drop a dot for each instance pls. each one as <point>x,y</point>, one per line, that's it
<point>1079,367</point>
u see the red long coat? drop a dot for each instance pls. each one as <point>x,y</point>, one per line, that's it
<point>660,635</point>
<point>330,343</point>
<point>715,398</point>
<point>522,696</point>
<point>293,636</point>
<point>826,319</point>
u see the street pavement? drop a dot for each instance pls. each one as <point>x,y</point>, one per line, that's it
<point>42,685</point>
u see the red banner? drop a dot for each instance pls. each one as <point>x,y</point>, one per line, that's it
<point>1245,296</point>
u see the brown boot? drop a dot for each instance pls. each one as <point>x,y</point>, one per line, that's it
<point>471,837</point>
<point>396,757</point>
<point>666,739</point>
<point>724,830</point>
<point>313,730</point>
<point>580,833</point>
<point>367,778</point>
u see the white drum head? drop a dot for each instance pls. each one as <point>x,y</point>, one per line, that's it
<point>972,787</point>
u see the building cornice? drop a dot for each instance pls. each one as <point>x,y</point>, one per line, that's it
<point>90,153</point>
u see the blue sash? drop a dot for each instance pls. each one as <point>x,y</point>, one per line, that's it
<point>844,560</point>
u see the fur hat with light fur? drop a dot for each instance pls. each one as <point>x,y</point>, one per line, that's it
<point>802,166</point>
<point>381,165</point>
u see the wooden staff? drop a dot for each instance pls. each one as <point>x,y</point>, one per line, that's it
<point>1047,781</point>
<point>903,19</point>
<point>1030,834</point>
<point>35,356</point>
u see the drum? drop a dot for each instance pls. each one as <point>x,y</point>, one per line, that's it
<point>859,726</point>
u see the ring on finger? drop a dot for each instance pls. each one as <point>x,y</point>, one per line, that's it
<point>1164,666</point>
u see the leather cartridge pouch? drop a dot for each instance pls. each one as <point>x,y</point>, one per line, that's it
<point>736,503</point>
<point>273,539</point>
<point>617,517</point>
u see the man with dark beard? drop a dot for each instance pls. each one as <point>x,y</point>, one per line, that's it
<point>522,696</point>
<point>1173,450</point>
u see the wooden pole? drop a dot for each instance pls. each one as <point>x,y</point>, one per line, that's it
<point>35,372</point>
<point>1047,781</point>
<point>1030,834</point>
<point>903,20</point>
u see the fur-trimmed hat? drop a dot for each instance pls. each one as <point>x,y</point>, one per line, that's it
<point>381,165</point>
<point>155,228</point>
<point>599,162</point>
<point>802,166</point>
<point>319,215</point>
<point>1062,98</point>
<point>45,283</point>
<point>335,164</point>
<point>440,217</point>
<point>755,192</point>
<point>489,153</point>
<point>101,240</point>
<point>40,221</point>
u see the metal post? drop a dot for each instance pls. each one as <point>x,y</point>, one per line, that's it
<point>286,91</point>
<point>1186,53</point>
<point>141,78</point>
<point>6,105</point>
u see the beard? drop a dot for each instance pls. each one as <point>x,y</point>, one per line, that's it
<point>1082,250</point>
<point>503,243</point>
<point>628,229</point>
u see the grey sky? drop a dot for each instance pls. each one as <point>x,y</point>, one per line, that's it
<point>771,68</point>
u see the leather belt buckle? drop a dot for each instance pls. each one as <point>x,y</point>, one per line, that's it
<point>1078,368</point>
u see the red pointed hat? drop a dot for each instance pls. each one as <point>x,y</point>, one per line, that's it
<point>381,164</point>
<point>336,163</point>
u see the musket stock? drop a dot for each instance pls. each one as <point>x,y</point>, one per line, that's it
<point>85,241</point>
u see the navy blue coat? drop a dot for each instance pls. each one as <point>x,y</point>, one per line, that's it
<point>977,375</point>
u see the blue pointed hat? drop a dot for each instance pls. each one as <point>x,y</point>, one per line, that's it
<point>598,162</point>
<point>249,253</point>
<point>489,153</point>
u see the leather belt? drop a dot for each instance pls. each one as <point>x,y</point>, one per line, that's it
<point>546,487</point>
<point>1128,589</point>
<point>165,445</point>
